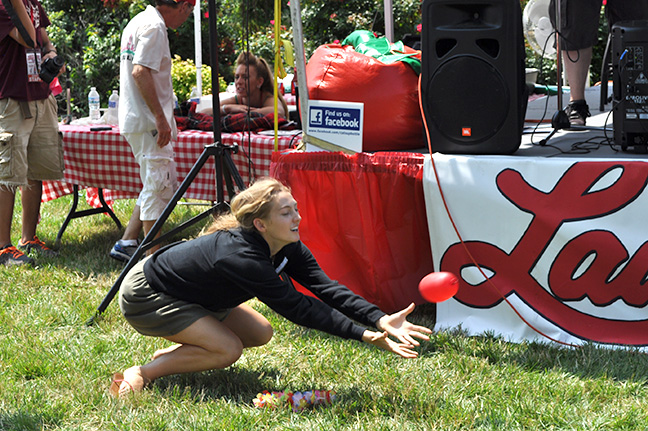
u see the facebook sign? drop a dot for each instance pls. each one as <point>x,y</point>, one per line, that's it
<point>339,123</point>
<point>343,119</point>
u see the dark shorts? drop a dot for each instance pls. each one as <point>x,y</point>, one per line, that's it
<point>580,19</point>
<point>155,313</point>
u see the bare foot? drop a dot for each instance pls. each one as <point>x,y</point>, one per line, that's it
<point>161,352</point>
<point>131,381</point>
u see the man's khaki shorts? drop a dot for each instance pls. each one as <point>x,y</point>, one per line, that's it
<point>30,149</point>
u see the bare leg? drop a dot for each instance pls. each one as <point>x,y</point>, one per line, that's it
<point>148,225</point>
<point>240,320</point>
<point>134,226</point>
<point>577,71</point>
<point>31,201</point>
<point>7,198</point>
<point>205,345</point>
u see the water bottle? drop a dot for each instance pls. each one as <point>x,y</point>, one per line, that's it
<point>113,108</point>
<point>93,103</point>
<point>194,96</point>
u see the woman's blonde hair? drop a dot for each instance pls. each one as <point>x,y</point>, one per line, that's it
<point>262,69</point>
<point>251,203</point>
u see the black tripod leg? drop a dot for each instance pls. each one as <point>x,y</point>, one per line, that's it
<point>227,176</point>
<point>147,243</point>
<point>234,173</point>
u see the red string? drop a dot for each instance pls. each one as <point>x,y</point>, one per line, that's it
<point>465,247</point>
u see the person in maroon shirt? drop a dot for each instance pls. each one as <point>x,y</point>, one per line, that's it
<point>30,145</point>
<point>193,293</point>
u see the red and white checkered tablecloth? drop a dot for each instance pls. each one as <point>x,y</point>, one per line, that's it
<point>105,160</point>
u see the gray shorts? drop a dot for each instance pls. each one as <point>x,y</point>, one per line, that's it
<point>580,19</point>
<point>30,149</point>
<point>155,313</point>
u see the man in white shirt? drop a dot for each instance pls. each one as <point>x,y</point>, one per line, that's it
<point>146,113</point>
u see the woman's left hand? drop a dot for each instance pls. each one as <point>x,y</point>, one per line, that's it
<point>398,327</point>
<point>382,340</point>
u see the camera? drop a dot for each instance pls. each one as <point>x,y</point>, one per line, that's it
<point>50,68</point>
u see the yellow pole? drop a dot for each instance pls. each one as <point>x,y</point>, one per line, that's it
<point>277,59</point>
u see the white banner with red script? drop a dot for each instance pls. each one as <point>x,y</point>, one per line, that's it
<point>548,248</point>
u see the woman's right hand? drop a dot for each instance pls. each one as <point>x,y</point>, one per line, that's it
<point>382,340</point>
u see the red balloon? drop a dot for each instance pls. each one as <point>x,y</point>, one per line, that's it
<point>438,286</point>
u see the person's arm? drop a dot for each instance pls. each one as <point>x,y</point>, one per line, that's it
<point>268,106</point>
<point>308,273</point>
<point>48,48</point>
<point>304,269</point>
<point>229,106</point>
<point>382,340</point>
<point>398,327</point>
<point>143,77</point>
<point>21,14</point>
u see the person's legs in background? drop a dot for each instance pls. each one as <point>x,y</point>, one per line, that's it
<point>579,30</point>
<point>158,174</point>
<point>33,150</point>
<point>9,255</point>
<point>577,65</point>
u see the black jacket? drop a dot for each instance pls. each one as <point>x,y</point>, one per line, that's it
<point>227,268</point>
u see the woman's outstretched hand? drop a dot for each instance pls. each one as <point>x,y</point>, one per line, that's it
<point>398,327</point>
<point>382,340</point>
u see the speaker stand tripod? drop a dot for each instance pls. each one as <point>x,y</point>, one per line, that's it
<point>225,171</point>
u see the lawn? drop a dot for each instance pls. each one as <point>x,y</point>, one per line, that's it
<point>55,370</point>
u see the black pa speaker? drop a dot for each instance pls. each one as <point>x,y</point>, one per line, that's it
<point>473,88</point>
<point>630,84</point>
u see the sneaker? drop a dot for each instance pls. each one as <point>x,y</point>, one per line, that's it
<point>577,111</point>
<point>10,255</point>
<point>38,246</point>
<point>123,252</point>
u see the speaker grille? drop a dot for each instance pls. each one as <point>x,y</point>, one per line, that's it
<point>468,100</point>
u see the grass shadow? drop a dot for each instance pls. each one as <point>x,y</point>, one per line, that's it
<point>587,361</point>
<point>85,247</point>
<point>241,385</point>
<point>25,421</point>
<point>233,383</point>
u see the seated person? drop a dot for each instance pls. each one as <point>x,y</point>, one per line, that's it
<point>254,89</point>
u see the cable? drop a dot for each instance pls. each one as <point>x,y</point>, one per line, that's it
<point>465,247</point>
<point>546,108</point>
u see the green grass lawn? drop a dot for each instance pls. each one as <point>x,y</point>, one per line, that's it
<point>55,370</point>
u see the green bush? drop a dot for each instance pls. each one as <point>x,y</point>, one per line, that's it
<point>329,21</point>
<point>183,73</point>
<point>87,35</point>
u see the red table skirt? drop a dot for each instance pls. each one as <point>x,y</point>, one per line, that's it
<point>364,220</point>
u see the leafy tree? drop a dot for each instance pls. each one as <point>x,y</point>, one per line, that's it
<point>87,33</point>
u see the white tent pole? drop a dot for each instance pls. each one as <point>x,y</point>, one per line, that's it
<point>198,49</point>
<point>389,20</point>
<point>300,61</point>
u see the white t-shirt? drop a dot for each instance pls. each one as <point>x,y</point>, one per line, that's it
<point>145,42</point>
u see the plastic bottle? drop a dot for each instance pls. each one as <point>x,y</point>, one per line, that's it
<point>113,108</point>
<point>195,95</point>
<point>93,104</point>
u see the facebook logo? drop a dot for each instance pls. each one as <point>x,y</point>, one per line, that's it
<point>316,117</point>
